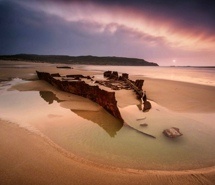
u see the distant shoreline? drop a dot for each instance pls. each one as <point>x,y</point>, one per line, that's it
<point>192,66</point>
<point>87,60</point>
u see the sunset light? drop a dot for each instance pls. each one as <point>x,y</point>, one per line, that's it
<point>107,92</point>
<point>130,30</point>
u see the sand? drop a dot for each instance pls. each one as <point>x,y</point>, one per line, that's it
<point>181,96</point>
<point>27,158</point>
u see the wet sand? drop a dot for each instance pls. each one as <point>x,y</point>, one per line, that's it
<point>181,96</point>
<point>27,158</point>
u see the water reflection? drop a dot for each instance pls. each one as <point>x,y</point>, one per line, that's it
<point>106,121</point>
<point>49,97</point>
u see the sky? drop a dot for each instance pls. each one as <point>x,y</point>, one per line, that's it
<point>167,32</point>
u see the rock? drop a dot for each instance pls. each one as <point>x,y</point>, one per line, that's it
<point>64,67</point>
<point>172,132</point>
<point>143,124</point>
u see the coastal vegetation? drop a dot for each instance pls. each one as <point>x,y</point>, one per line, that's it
<point>88,60</point>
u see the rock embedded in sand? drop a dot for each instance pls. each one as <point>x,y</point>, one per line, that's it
<point>172,132</point>
<point>143,124</point>
<point>64,67</point>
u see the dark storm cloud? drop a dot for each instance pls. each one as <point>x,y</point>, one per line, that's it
<point>19,29</point>
<point>24,30</point>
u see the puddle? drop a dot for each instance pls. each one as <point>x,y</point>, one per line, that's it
<point>98,136</point>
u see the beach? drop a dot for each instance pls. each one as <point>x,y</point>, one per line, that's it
<point>181,96</point>
<point>28,158</point>
<point>37,162</point>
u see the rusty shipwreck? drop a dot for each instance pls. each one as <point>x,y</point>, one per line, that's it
<point>76,84</point>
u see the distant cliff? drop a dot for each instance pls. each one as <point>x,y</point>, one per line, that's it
<point>89,60</point>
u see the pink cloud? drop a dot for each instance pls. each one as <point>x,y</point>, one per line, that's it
<point>141,24</point>
<point>166,35</point>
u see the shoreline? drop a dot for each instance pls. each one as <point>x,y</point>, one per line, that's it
<point>52,156</point>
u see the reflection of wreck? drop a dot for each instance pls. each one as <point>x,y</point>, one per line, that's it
<point>49,97</point>
<point>109,123</point>
<point>78,84</point>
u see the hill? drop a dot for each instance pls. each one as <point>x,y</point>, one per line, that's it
<point>88,60</point>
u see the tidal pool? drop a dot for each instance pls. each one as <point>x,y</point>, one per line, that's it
<point>99,137</point>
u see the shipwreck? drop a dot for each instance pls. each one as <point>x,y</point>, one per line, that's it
<point>77,84</point>
<point>91,88</point>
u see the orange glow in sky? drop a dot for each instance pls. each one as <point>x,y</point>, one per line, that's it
<point>109,19</point>
<point>106,28</point>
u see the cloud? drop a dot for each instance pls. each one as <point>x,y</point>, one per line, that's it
<point>33,32</point>
<point>179,28</point>
<point>146,29</point>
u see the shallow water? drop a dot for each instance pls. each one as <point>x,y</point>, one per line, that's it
<point>204,76</point>
<point>99,137</point>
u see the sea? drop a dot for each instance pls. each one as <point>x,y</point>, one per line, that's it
<point>198,75</point>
